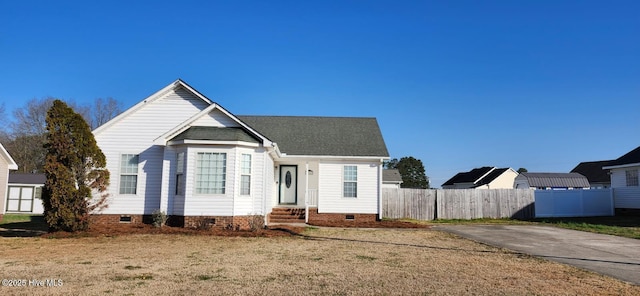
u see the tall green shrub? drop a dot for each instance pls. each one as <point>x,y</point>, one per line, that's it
<point>74,167</point>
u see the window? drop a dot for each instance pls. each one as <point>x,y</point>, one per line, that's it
<point>211,169</point>
<point>180,173</point>
<point>350,178</point>
<point>245,175</point>
<point>128,173</point>
<point>632,177</point>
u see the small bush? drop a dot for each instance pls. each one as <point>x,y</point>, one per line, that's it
<point>256,222</point>
<point>159,218</point>
<point>203,223</point>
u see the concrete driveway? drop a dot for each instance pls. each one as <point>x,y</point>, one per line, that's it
<point>614,256</point>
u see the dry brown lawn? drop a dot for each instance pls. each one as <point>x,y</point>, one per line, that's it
<point>321,261</point>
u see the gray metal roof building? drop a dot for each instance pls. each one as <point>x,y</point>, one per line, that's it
<point>554,180</point>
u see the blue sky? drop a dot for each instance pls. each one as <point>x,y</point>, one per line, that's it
<point>458,84</point>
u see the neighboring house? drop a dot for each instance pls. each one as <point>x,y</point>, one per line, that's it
<point>548,181</point>
<point>482,178</point>
<point>592,170</point>
<point>184,154</point>
<point>6,164</point>
<point>391,178</point>
<point>624,180</point>
<point>25,193</point>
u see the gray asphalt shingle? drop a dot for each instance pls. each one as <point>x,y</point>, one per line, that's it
<point>309,135</point>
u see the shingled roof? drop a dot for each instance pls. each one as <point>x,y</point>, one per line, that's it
<point>22,178</point>
<point>630,158</point>
<point>391,176</point>
<point>335,136</point>
<point>468,177</point>
<point>593,171</point>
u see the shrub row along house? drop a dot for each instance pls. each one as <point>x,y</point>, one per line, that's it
<point>179,152</point>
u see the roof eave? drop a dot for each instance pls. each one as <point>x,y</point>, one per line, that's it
<point>336,157</point>
<point>13,166</point>
<point>210,142</point>
<point>621,166</point>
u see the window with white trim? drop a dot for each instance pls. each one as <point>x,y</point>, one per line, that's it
<point>350,181</point>
<point>128,173</point>
<point>245,174</point>
<point>180,173</point>
<point>632,177</point>
<point>211,170</point>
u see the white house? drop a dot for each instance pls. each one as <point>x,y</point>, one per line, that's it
<point>184,154</point>
<point>624,180</point>
<point>482,178</point>
<point>6,164</point>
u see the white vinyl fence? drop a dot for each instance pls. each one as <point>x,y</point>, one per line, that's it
<point>574,203</point>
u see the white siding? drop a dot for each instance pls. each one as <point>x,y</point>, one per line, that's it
<point>216,118</point>
<point>4,180</point>
<point>330,198</point>
<point>135,134</point>
<point>504,181</point>
<point>618,178</point>
<point>625,197</point>
<point>268,191</point>
<point>391,185</point>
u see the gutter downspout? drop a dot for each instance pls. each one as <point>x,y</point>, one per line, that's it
<point>265,193</point>
<point>306,193</point>
<point>380,189</point>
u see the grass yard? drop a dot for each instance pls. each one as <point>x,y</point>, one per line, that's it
<point>320,261</point>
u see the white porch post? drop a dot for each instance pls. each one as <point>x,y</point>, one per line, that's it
<point>306,193</point>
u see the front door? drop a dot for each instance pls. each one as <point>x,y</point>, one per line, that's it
<point>288,184</point>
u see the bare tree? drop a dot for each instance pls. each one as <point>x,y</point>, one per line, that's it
<point>27,133</point>
<point>103,110</point>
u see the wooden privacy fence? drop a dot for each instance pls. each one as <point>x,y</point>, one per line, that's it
<point>430,204</point>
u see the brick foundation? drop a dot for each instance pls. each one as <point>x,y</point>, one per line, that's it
<point>226,222</point>
<point>103,219</point>
<point>343,219</point>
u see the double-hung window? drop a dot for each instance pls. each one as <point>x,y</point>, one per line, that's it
<point>350,181</point>
<point>128,173</point>
<point>245,175</point>
<point>180,173</point>
<point>211,170</point>
<point>632,177</point>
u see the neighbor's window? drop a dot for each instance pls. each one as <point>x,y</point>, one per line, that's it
<point>211,169</point>
<point>350,179</point>
<point>180,173</point>
<point>128,173</point>
<point>632,177</point>
<point>245,177</point>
